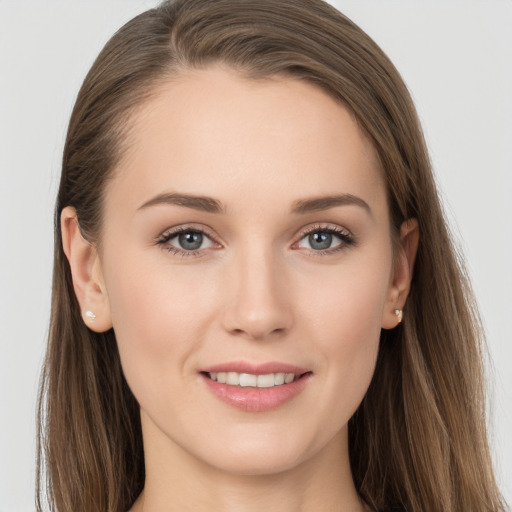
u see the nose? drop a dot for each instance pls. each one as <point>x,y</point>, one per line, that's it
<point>258,305</point>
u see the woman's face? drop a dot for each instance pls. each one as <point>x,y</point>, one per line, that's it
<point>247,232</point>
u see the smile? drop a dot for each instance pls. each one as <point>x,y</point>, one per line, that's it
<point>256,387</point>
<point>268,380</point>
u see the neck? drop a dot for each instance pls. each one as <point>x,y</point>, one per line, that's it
<point>176,480</point>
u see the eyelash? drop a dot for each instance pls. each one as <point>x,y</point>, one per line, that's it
<point>347,240</point>
<point>163,240</point>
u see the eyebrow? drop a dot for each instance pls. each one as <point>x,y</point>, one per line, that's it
<point>201,203</point>
<point>211,205</point>
<point>325,202</point>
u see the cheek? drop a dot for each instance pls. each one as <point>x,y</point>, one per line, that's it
<point>159,314</point>
<point>347,302</point>
<point>344,317</point>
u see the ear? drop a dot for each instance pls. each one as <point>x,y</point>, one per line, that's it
<point>400,283</point>
<point>86,273</point>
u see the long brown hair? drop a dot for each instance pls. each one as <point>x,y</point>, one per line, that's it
<point>418,440</point>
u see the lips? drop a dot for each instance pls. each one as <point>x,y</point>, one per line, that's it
<point>256,368</point>
<point>255,387</point>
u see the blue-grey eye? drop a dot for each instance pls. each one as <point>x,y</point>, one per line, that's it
<point>324,239</point>
<point>190,240</point>
<point>320,241</point>
<point>186,241</point>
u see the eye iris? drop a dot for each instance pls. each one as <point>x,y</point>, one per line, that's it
<point>190,240</point>
<point>320,240</point>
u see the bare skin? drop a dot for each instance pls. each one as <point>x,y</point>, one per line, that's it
<point>268,280</point>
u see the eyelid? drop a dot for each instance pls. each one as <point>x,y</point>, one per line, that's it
<point>170,233</point>
<point>176,230</point>
<point>346,237</point>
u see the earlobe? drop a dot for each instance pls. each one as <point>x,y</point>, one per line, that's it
<point>402,274</point>
<point>86,273</point>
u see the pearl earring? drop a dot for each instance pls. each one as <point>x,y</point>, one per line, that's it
<point>399,314</point>
<point>90,316</point>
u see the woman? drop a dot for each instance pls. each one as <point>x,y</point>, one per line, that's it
<point>256,301</point>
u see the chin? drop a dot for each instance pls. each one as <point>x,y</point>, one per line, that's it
<point>258,455</point>
<point>258,465</point>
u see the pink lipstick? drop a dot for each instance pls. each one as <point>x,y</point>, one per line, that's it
<point>255,387</point>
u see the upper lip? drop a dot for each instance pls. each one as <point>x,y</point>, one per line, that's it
<point>256,368</point>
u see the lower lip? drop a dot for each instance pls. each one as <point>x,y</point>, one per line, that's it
<point>251,399</point>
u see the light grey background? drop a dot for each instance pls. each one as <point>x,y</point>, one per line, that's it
<point>455,57</point>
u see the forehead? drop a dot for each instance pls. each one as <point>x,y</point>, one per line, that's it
<point>215,133</point>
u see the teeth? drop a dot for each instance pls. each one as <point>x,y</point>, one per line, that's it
<point>233,378</point>
<point>279,379</point>
<point>288,377</point>
<point>246,379</point>
<point>268,380</point>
